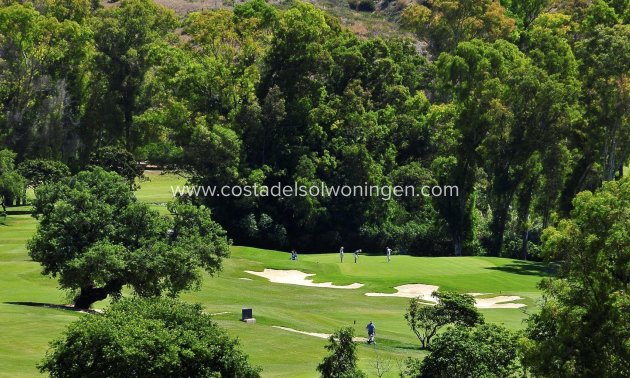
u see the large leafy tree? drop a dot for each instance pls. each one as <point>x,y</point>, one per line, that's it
<point>42,81</point>
<point>97,238</point>
<point>147,338</point>
<point>475,77</point>
<point>583,328</point>
<point>122,36</point>
<point>602,146</point>
<point>607,80</point>
<point>40,171</point>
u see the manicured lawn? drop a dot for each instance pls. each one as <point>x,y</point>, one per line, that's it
<point>156,187</point>
<point>27,327</point>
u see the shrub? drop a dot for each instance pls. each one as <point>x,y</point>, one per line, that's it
<point>147,338</point>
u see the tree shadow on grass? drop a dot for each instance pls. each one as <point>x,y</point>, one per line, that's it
<point>55,306</point>
<point>18,211</point>
<point>528,268</point>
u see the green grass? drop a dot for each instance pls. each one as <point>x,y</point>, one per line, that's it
<point>156,187</point>
<point>27,327</point>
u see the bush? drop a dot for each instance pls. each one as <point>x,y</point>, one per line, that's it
<point>486,350</point>
<point>147,338</point>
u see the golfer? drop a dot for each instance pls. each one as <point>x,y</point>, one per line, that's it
<point>341,253</point>
<point>371,330</point>
<point>389,254</point>
<point>356,255</point>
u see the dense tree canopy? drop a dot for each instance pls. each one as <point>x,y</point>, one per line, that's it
<point>520,104</point>
<point>583,328</point>
<point>147,338</point>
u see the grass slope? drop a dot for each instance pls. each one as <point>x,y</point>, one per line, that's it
<point>28,327</point>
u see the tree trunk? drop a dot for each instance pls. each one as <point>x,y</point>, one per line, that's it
<point>457,247</point>
<point>524,249</point>
<point>89,295</point>
<point>498,229</point>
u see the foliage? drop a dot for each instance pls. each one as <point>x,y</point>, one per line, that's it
<point>97,238</point>
<point>342,361</point>
<point>446,23</point>
<point>40,171</point>
<point>486,350</point>
<point>582,328</point>
<point>42,81</point>
<point>12,184</point>
<point>117,160</point>
<point>451,308</point>
<point>147,338</point>
<point>520,104</point>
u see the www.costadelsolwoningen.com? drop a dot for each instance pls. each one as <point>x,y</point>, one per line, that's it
<point>385,192</point>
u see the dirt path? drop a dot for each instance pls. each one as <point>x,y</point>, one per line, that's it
<point>319,335</point>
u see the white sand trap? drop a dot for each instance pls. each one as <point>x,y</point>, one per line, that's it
<point>295,277</point>
<point>424,292</point>
<point>420,291</point>
<point>499,302</point>
<point>315,334</point>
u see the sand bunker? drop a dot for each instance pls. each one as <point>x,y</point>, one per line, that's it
<point>410,291</point>
<point>499,302</point>
<point>295,277</point>
<point>421,291</point>
<point>315,334</point>
<point>424,292</point>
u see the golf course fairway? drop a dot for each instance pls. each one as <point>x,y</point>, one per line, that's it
<point>29,323</point>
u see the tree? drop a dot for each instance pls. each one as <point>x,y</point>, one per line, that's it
<point>117,160</point>
<point>452,308</point>
<point>526,10</point>
<point>446,23</point>
<point>583,328</point>
<point>12,184</point>
<point>342,361</point>
<point>122,36</point>
<point>155,337</point>
<point>481,114</point>
<point>424,321</point>
<point>43,72</point>
<point>487,350</point>
<point>607,81</point>
<point>40,171</point>
<point>97,238</point>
